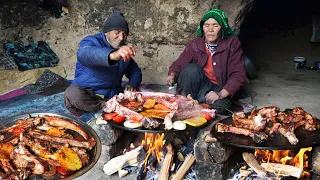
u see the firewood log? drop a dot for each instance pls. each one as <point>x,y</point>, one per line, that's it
<point>129,158</point>
<point>167,162</point>
<point>282,169</point>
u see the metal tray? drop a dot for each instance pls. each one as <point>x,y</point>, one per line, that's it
<point>94,153</point>
<point>276,142</point>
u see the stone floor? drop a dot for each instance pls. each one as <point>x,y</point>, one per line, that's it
<point>287,88</point>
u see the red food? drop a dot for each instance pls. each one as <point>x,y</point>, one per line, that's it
<point>205,106</point>
<point>63,171</point>
<point>79,138</point>
<point>17,131</point>
<point>109,116</point>
<point>119,119</point>
<point>206,115</point>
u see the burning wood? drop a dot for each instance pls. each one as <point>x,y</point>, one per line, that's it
<point>184,167</point>
<point>282,169</point>
<point>285,162</point>
<point>167,162</point>
<point>129,158</point>
<point>253,163</point>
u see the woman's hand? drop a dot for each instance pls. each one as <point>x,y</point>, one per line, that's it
<point>171,79</point>
<point>211,97</point>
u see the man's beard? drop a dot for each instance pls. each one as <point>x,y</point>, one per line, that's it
<point>116,45</point>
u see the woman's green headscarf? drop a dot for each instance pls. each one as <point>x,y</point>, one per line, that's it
<point>221,18</point>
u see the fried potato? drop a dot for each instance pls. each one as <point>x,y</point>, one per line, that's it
<point>68,159</point>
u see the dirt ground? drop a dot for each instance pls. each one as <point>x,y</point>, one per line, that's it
<point>287,89</point>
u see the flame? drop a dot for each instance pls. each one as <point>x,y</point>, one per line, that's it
<point>287,157</point>
<point>153,143</point>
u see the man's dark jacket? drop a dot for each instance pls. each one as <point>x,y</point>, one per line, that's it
<point>228,62</point>
<point>95,72</point>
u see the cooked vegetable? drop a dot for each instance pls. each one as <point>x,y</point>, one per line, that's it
<point>109,116</point>
<point>68,159</point>
<point>132,124</point>
<point>149,103</point>
<point>119,119</point>
<point>196,122</point>
<point>63,171</point>
<point>179,125</point>
<point>206,115</point>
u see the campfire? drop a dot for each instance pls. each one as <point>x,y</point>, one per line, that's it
<point>154,157</point>
<point>277,163</point>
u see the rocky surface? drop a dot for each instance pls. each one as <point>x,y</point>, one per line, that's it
<point>159,29</point>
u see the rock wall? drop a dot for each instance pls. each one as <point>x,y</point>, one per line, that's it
<point>160,29</point>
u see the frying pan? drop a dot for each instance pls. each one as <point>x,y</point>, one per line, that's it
<point>276,142</point>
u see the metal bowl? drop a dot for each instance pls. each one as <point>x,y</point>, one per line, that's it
<point>94,153</point>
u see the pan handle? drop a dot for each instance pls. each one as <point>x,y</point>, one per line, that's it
<point>229,111</point>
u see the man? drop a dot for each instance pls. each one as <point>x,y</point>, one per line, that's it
<point>102,61</point>
<point>211,67</point>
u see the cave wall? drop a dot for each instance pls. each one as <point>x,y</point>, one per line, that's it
<point>274,32</point>
<point>159,28</point>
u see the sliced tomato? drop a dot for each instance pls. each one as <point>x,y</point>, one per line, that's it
<point>109,116</point>
<point>206,115</point>
<point>17,131</point>
<point>119,119</point>
<point>63,171</point>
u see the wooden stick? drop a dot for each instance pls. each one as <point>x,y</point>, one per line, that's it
<point>184,167</point>
<point>117,163</point>
<point>164,171</point>
<point>253,163</point>
<point>282,169</point>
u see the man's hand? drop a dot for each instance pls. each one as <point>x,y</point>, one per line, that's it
<point>171,79</point>
<point>211,97</point>
<point>130,88</point>
<point>125,52</point>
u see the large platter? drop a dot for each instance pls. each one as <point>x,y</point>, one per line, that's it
<point>276,142</point>
<point>94,153</point>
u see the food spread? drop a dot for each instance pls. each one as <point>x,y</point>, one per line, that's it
<point>49,146</point>
<point>150,109</point>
